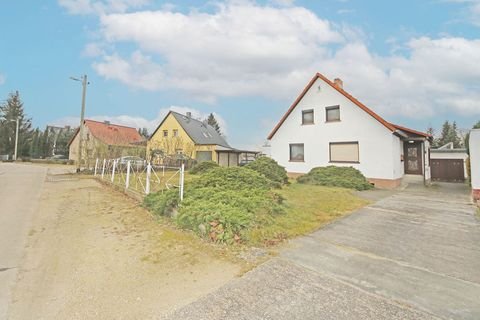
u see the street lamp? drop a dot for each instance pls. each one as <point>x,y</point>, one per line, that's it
<point>16,138</point>
<point>84,82</point>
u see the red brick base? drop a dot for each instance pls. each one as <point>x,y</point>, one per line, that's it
<point>385,183</point>
<point>476,194</point>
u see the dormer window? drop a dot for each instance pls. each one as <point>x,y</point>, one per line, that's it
<point>307,116</point>
<point>332,113</point>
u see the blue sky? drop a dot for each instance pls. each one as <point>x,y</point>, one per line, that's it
<point>414,62</point>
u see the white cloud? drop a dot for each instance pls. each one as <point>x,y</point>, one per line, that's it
<point>140,122</point>
<point>100,7</point>
<point>246,49</point>
<point>438,76</point>
<point>240,49</point>
<point>93,50</point>
<point>3,78</point>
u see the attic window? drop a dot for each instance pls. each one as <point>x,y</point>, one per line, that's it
<point>165,133</point>
<point>206,134</point>
<point>332,113</point>
<point>175,132</point>
<point>307,116</point>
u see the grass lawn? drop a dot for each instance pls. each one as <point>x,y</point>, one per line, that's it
<point>308,208</point>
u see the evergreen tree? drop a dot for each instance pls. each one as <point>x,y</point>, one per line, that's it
<point>10,111</point>
<point>453,135</point>
<point>143,132</point>
<point>213,122</point>
<point>449,134</point>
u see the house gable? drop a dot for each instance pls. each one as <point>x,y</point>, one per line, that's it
<point>310,86</point>
<point>170,143</point>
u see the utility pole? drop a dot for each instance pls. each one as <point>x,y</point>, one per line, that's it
<point>16,140</point>
<point>82,116</point>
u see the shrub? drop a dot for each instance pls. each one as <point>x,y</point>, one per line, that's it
<point>270,169</point>
<point>222,204</point>
<point>162,202</point>
<point>203,167</point>
<point>346,177</point>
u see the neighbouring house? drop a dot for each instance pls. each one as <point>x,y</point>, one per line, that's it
<point>182,135</point>
<point>449,164</point>
<point>325,125</point>
<point>106,141</point>
<point>474,147</point>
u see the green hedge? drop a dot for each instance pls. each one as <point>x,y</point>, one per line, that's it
<point>333,176</point>
<point>222,204</point>
<point>203,167</point>
<point>270,169</point>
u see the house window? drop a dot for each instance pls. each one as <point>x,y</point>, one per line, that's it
<point>332,113</point>
<point>307,116</point>
<point>165,133</point>
<point>296,152</point>
<point>175,132</point>
<point>344,152</point>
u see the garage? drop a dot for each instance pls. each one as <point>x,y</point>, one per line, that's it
<point>448,164</point>
<point>448,170</point>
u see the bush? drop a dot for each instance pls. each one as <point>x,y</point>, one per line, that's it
<point>270,169</point>
<point>332,176</point>
<point>203,167</point>
<point>222,204</point>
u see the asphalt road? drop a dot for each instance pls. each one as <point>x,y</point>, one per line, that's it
<point>20,187</point>
<point>412,255</point>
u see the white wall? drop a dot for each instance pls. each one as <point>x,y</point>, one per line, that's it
<point>379,149</point>
<point>475,158</point>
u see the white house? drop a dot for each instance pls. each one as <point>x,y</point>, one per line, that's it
<point>449,163</point>
<point>474,143</point>
<point>327,126</point>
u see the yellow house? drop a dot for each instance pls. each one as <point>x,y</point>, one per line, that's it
<point>182,134</point>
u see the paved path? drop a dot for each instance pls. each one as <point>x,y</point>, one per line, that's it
<point>413,255</point>
<point>20,187</point>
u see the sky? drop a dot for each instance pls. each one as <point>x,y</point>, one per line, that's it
<point>414,62</point>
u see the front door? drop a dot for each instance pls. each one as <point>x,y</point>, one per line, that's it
<point>413,158</point>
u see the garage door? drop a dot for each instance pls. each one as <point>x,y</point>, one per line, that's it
<point>450,170</point>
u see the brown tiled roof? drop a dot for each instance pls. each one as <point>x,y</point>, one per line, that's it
<point>408,130</point>
<point>112,134</point>
<point>387,124</point>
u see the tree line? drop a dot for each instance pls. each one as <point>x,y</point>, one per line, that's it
<point>32,143</point>
<point>450,133</point>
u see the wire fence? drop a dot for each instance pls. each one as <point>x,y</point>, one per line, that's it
<point>140,177</point>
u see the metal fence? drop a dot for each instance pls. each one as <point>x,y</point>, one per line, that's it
<point>140,177</point>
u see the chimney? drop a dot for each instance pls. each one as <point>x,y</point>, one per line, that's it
<point>338,83</point>
<point>189,115</point>
<point>106,122</point>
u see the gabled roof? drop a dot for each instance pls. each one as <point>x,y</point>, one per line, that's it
<point>386,124</point>
<point>200,132</point>
<point>111,134</point>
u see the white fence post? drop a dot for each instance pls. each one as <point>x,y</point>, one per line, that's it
<point>182,178</point>
<point>127,179</point>
<point>103,168</point>
<point>113,170</point>
<point>96,165</point>
<point>147,182</point>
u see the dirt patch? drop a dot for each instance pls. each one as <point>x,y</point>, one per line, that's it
<point>93,253</point>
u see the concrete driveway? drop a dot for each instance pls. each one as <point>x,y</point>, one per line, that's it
<point>412,255</point>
